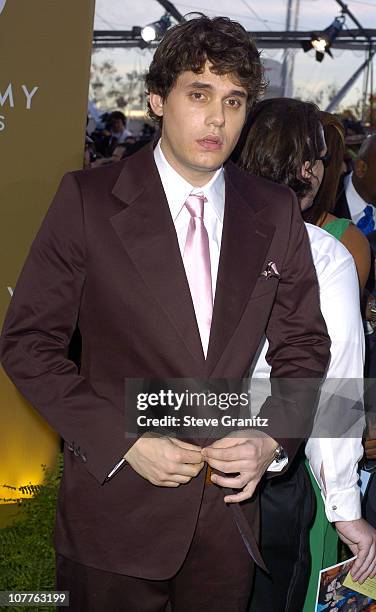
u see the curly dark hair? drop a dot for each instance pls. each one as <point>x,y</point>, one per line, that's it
<point>225,44</point>
<point>281,135</point>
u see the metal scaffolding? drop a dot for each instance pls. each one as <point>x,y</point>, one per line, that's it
<point>351,40</point>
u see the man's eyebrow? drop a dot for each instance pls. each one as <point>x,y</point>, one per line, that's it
<point>200,85</point>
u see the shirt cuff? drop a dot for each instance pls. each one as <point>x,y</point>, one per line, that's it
<point>343,505</point>
<point>115,469</point>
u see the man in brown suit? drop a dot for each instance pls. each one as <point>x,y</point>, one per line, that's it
<point>139,525</point>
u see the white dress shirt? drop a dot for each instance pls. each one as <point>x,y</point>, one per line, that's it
<point>339,300</point>
<point>177,190</point>
<point>355,202</point>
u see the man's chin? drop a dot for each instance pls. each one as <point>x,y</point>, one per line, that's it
<point>208,164</point>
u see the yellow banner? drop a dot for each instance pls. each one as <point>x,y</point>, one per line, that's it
<point>45,49</point>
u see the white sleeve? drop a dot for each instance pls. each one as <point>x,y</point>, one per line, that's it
<point>338,457</point>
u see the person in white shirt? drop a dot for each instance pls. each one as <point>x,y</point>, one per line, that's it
<point>119,130</point>
<point>357,197</point>
<point>285,143</point>
<point>357,201</point>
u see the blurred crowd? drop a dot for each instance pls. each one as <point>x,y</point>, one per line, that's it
<point>111,140</point>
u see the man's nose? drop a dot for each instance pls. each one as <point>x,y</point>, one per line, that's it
<point>216,115</point>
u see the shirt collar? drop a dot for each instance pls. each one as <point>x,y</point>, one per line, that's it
<point>177,189</point>
<point>354,200</point>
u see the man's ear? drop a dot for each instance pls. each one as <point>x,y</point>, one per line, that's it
<point>360,168</point>
<point>156,103</point>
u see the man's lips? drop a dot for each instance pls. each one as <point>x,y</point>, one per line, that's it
<point>211,143</point>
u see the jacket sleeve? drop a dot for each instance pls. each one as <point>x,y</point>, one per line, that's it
<point>299,346</point>
<point>38,327</point>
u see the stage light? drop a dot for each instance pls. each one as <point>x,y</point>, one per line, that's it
<point>156,30</point>
<point>322,41</point>
<point>319,44</point>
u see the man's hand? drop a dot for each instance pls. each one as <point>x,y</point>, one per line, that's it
<point>163,461</point>
<point>246,454</point>
<point>360,537</point>
<point>370,441</point>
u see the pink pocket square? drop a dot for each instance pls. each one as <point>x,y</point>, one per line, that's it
<point>270,271</point>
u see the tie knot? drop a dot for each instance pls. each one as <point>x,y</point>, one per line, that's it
<point>195,205</point>
<point>366,224</point>
<point>368,211</point>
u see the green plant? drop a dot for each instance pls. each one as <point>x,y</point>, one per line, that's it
<point>27,558</point>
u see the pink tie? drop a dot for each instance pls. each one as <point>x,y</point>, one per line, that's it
<point>196,259</point>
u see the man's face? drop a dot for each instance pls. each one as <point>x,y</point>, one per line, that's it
<point>117,126</point>
<point>365,171</point>
<point>203,116</point>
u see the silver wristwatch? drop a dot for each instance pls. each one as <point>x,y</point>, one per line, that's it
<point>279,454</point>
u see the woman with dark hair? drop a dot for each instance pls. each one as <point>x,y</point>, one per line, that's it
<point>278,162</point>
<point>284,142</point>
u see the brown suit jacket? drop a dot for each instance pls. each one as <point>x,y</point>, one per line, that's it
<point>107,258</point>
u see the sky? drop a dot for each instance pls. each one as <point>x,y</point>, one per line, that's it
<point>310,77</point>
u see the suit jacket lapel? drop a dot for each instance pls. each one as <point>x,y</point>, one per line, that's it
<point>147,233</point>
<point>245,242</point>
